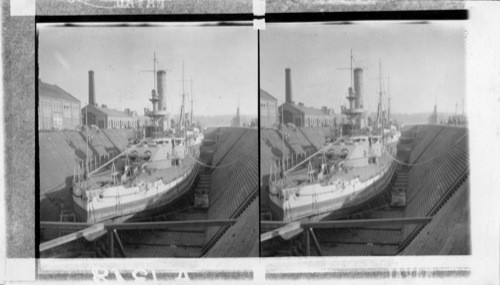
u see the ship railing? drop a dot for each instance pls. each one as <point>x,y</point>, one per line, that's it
<point>87,230</point>
<point>94,162</point>
<point>291,160</point>
<point>168,178</point>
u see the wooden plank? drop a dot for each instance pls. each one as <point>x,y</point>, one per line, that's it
<point>171,224</point>
<point>111,244</point>
<point>120,245</point>
<point>289,228</point>
<point>64,225</point>
<point>307,242</point>
<point>363,236</point>
<point>351,223</point>
<point>384,250</point>
<point>71,237</point>
<point>316,243</point>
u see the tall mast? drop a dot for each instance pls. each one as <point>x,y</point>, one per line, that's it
<point>379,110</point>
<point>183,109</point>
<point>282,141</point>
<point>154,71</point>
<point>181,119</point>
<point>191,101</point>
<point>389,99</point>
<point>352,59</point>
<point>87,138</point>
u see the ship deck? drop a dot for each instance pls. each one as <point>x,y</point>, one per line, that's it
<point>104,177</point>
<point>300,176</point>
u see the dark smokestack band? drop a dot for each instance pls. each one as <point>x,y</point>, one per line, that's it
<point>288,85</point>
<point>358,87</point>
<point>91,88</point>
<point>161,76</point>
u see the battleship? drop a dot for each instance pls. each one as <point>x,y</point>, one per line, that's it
<point>151,174</point>
<point>344,174</point>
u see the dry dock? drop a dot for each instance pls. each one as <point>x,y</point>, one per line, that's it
<point>433,173</point>
<point>229,175</point>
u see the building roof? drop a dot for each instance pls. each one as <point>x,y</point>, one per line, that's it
<point>265,95</point>
<point>309,110</point>
<point>109,112</point>
<point>54,92</point>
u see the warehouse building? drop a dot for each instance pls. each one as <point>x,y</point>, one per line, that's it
<point>104,117</point>
<point>300,115</point>
<point>268,110</point>
<point>57,109</point>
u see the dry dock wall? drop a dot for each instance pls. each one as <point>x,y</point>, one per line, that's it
<point>439,165</point>
<point>60,152</point>
<point>247,231</point>
<point>449,231</point>
<point>234,182</point>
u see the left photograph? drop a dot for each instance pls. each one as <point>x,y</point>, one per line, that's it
<point>147,140</point>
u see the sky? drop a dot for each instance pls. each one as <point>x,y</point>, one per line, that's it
<point>220,60</point>
<point>423,62</point>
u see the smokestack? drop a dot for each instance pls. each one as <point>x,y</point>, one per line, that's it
<point>91,88</point>
<point>288,85</point>
<point>358,87</point>
<point>162,89</point>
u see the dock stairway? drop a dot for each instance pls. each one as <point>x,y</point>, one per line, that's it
<point>67,215</point>
<point>201,192</point>
<point>398,190</point>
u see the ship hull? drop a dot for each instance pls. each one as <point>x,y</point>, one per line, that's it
<point>332,208</point>
<point>141,204</point>
<point>316,202</point>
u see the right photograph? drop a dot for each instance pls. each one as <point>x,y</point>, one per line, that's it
<point>364,141</point>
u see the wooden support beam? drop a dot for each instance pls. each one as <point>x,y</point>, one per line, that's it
<point>350,223</point>
<point>111,244</point>
<point>90,230</point>
<point>64,225</point>
<point>171,224</point>
<point>366,222</point>
<point>120,245</point>
<point>307,242</point>
<point>315,243</point>
<point>288,229</point>
<point>71,237</point>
